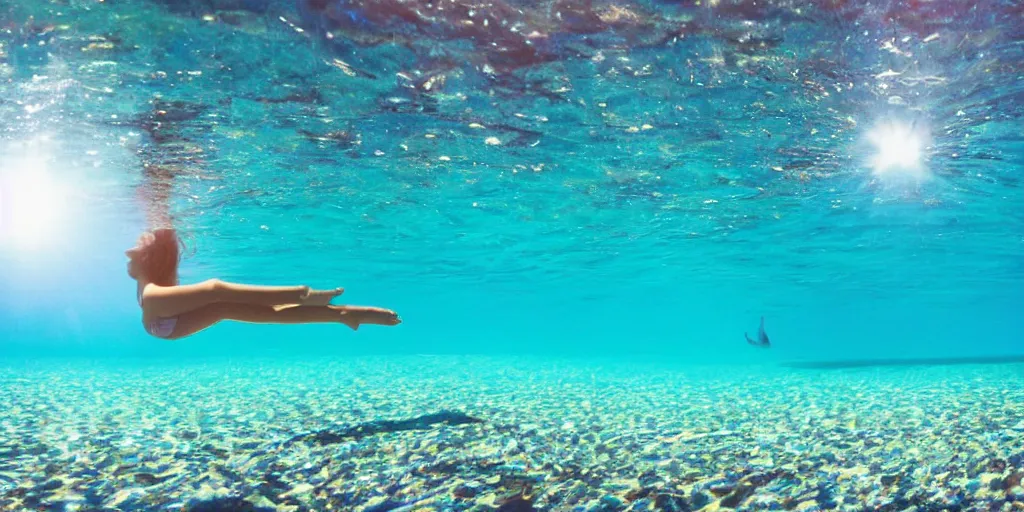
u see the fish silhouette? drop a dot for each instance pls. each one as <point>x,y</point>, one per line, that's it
<point>762,337</point>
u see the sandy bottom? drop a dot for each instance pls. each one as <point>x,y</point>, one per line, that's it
<point>558,435</point>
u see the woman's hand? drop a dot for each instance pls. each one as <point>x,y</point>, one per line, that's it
<point>320,297</point>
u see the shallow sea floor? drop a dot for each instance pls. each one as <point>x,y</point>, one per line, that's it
<point>555,435</point>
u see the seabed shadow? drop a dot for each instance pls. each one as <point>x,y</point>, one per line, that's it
<point>921,361</point>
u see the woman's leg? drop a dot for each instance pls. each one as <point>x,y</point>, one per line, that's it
<point>353,316</point>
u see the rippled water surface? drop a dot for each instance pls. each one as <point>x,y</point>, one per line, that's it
<point>534,175</point>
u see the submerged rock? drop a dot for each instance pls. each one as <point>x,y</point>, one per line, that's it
<point>700,499</point>
<point>230,504</point>
<point>739,495</point>
<point>890,479</point>
<point>671,503</point>
<point>517,504</point>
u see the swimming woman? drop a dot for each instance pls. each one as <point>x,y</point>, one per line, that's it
<point>172,311</point>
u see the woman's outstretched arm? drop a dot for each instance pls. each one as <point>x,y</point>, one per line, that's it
<point>168,301</point>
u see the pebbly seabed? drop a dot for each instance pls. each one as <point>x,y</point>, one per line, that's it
<point>513,434</point>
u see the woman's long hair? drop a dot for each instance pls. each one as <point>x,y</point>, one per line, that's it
<point>159,254</point>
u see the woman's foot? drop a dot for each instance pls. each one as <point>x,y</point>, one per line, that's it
<point>321,297</point>
<point>354,316</point>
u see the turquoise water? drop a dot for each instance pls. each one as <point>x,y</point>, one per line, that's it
<point>751,193</point>
<point>581,188</point>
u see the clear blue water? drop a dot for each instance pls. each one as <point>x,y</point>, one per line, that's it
<point>637,179</point>
<point>751,193</point>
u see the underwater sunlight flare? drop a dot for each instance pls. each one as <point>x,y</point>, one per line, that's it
<point>32,205</point>
<point>898,149</point>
